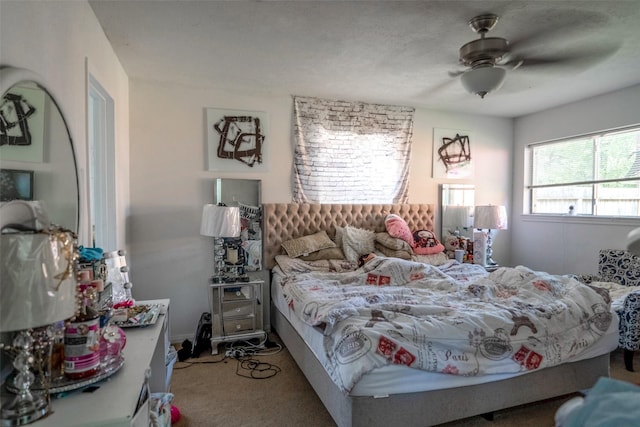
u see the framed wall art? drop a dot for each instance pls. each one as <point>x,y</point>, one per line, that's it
<point>22,124</point>
<point>452,154</point>
<point>237,140</point>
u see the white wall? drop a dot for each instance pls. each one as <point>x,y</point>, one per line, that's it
<point>56,39</point>
<point>170,182</point>
<point>564,244</point>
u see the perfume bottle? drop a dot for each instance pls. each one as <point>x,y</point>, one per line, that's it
<point>56,367</point>
<point>82,336</point>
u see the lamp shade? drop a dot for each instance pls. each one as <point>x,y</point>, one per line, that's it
<point>37,282</point>
<point>633,241</point>
<point>220,221</point>
<point>482,80</point>
<point>490,217</point>
<point>458,216</point>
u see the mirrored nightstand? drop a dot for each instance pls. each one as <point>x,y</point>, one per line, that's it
<point>236,312</point>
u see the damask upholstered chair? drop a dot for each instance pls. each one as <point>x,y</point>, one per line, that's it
<point>620,266</point>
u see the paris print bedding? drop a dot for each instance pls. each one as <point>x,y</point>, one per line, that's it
<point>455,318</point>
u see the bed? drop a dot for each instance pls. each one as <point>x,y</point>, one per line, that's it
<point>394,394</point>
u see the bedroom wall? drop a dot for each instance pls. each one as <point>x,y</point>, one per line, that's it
<point>564,244</point>
<point>170,183</point>
<point>57,40</point>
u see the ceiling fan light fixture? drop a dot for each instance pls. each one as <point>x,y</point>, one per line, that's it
<point>482,80</point>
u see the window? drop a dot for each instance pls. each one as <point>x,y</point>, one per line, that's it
<point>595,174</point>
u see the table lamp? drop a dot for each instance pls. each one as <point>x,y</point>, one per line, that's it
<point>37,289</point>
<point>220,221</point>
<point>458,218</point>
<point>490,217</point>
<point>633,241</point>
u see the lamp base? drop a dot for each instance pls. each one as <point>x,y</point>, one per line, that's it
<point>27,406</point>
<point>24,410</point>
<point>218,279</point>
<point>489,260</point>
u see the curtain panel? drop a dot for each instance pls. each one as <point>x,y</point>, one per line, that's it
<point>351,152</point>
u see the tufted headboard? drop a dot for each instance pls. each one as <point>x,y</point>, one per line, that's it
<point>285,221</point>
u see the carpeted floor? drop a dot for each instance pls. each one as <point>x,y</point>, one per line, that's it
<point>270,390</point>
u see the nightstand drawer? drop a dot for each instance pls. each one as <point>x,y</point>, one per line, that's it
<point>237,293</point>
<point>237,326</point>
<point>237,308</point>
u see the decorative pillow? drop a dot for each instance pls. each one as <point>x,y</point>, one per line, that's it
<point>425,243</point>
<point>356,242</point>
<point>393,253</point>
<point>393,243</point>
<point>398,228</point>
<point>328,253</point>
<point>308,244</point>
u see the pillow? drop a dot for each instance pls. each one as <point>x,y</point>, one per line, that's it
<point>398,228</point>
<point>338,237</point>
<point>328,253</point>
<point>393,243</point>
<point>308,244</point>
<point>356,242</point>
<point>425,243</point>
<point>290,266</point>
<point>393,253</point>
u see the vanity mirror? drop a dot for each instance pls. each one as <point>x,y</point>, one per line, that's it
<point>457,204</point>
<point>37,165</point>
<point>37,159</point>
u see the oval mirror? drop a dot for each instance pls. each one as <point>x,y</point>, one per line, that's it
<point>37,158</point>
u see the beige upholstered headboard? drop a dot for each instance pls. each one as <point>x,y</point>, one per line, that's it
<point>285,221</point>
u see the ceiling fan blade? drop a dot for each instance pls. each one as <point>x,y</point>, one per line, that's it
<point>563,26</point>
<point>437,89</point>
<point>511,63</point>
<point>456,73</point>
<point>569,58</point>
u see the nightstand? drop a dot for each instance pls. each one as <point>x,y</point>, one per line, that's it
<point>236,312</point>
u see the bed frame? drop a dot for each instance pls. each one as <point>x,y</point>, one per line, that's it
<point>287,221</point>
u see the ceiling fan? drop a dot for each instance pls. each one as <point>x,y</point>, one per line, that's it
<point>489,58</point>
<point>483,57</point>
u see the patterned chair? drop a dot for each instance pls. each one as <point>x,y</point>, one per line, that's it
<point>620,266</point>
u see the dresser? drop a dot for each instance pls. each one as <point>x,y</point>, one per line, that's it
<point>236,312</point>
<point>122,399</point>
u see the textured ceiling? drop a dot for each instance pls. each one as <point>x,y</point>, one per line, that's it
<point>391,52</point>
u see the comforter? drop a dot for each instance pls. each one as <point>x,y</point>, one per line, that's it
<point>455,318</point>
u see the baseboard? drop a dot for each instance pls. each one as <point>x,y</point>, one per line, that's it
<point>177,339</point>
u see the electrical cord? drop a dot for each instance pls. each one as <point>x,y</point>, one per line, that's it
<point>185,364</point>
<point>254,369</point>
<point>244,354</point>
